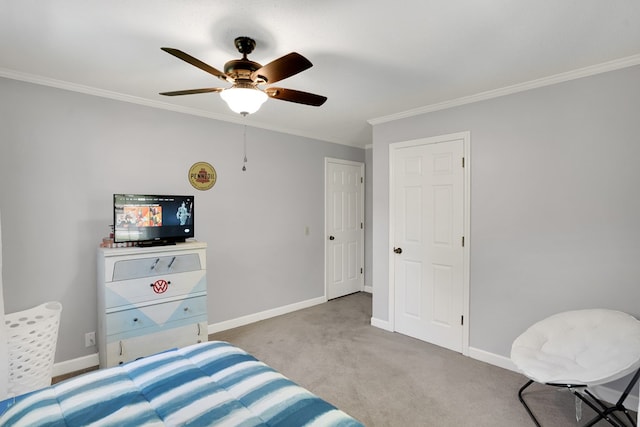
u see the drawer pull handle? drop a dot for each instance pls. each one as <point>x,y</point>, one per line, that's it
<point>121,350</point>
<point>198,330</point>
<point>135,319</point>
<point>186,309</point>
<point>171,263</point>
<point>155,263</point>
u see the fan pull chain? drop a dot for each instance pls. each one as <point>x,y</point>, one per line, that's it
<point>244,138</point>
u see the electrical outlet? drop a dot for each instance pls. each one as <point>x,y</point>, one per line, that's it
<point>89,339</point>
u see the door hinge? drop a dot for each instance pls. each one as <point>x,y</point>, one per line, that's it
<point>463,162</point>
<point>361,225</point>
<point>463,241</point>
<point>462,320</point>
<point>361,270</point>
<point>361,180</point>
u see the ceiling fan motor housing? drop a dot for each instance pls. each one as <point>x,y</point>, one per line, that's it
<point>241,68</point>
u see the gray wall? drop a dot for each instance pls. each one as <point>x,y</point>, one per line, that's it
<point>63,155</point>
<point>554,202</point>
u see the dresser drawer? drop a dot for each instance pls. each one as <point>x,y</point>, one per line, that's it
<point>117,352</point>
<point>152,318</point>
<point>150,289</point>
<point>154,266</point>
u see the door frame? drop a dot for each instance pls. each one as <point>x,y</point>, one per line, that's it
<point>393,147</point>
<point>328,160</point>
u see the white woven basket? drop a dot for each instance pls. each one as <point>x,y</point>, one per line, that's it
<point>32,336</point>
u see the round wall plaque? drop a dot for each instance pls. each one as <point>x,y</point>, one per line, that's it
<point>202,176</point>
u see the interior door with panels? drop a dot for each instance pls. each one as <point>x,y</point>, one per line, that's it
<point>344,227</point>
<point>427,237</point>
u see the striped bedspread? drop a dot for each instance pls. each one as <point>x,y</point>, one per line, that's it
<point>208,384</point>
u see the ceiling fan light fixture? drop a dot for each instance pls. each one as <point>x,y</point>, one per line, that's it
<point>245,96</point>
<point>244,100</point>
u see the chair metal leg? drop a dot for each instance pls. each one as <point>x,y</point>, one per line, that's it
<point>601,414</point>
<point>602,410</point>
<point>608,412</point>
<point>524,403</point>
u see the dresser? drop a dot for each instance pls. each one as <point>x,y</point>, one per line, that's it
<point>150,299</point>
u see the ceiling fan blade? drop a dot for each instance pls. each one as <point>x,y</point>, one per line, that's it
<point>295,96</point>
<point>281,68</point>
<point>192,91</point>
<point>196,62</point>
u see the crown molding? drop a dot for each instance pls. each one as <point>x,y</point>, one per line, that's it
<point>508,90</point>
<point>520,87</point>
<point>89,90</point>
<point>60,84</point>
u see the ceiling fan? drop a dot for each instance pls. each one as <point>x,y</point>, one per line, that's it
<point>245,96</point>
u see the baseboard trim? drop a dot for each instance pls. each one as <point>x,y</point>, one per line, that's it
<point>263,315</point>
<point>492,359</point>
<point>77,364</point>
<point>368,289</point>
<point>84,362</point>
<point>603,392</point>
<point>382,324</point>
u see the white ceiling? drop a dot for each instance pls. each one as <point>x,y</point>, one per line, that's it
<point>372,58</point>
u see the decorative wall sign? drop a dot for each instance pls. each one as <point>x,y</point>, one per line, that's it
<point>202,176</point>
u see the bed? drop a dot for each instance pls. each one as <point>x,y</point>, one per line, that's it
<point>207,384</point>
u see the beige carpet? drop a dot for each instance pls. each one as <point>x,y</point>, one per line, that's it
<point>387,379</point>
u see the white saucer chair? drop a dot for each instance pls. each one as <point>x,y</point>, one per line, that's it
<point>578,350</point>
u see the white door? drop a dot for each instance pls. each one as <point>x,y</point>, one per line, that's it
<point>427,237</point>
<point>344,227</point>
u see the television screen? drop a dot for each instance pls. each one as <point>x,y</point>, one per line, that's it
<point>152,219</point>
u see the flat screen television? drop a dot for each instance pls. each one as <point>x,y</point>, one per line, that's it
<point>146,220</point>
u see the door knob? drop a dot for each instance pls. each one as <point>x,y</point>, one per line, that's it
<point>331,238</point>
<point>397,250</point>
